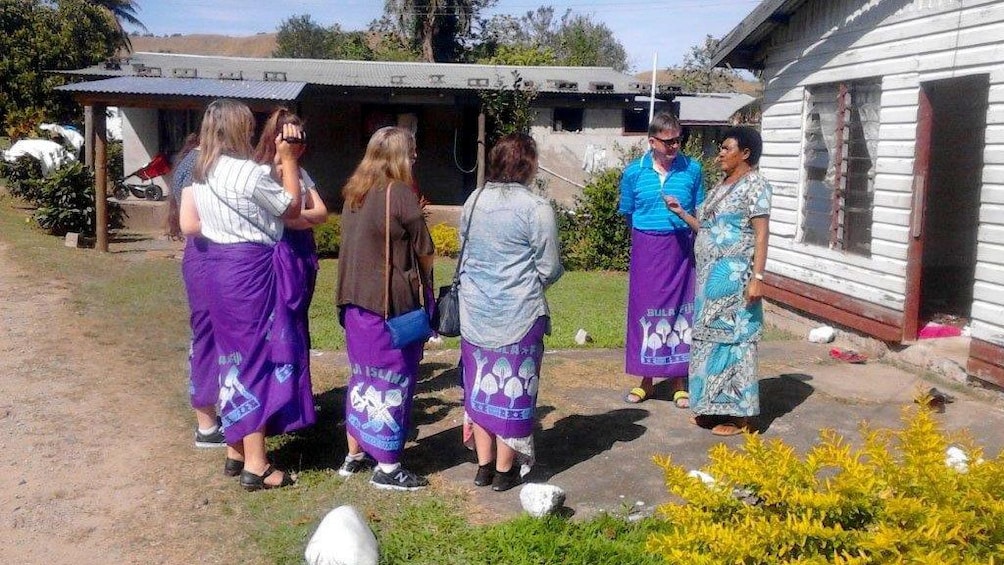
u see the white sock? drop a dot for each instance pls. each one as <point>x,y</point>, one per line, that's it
<point>209,431</point>
<point>389,468</point>
<point>357,457</point>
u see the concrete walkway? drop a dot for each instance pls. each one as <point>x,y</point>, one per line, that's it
<point>599,449</point>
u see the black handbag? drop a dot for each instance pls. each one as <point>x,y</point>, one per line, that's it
<point>448,301</point>
<point>448,310</point>
<point>410,327</point>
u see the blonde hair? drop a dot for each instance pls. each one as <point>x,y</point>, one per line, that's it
<point>387,159</point>
<point>227,129</point>
<point>264,152</point>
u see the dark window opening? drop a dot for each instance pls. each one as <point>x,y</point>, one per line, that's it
<point>567,119</point>
<point>636,120</point>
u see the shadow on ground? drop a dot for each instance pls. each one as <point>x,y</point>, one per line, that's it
<point>780,395</point>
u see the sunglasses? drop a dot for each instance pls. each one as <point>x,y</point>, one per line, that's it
<point>678,140</point>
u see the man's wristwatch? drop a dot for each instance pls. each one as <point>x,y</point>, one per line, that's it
<point>758,276</point>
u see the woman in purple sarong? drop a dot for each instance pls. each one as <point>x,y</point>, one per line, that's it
<point>203,381</point>
<point>382,380</point>
<point>299,233</point>
<point>238,209</point>
<point>660,309</point>
<point>510,257</point>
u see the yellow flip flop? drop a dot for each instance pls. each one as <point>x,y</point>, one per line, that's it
<point>638,393</point>
<point>680,396</point>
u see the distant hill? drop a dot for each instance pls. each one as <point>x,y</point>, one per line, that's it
<point>669,76</point>
<point>261,45</point>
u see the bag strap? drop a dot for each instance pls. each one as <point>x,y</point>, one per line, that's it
<point>467,231</point>
<point>386,270</point>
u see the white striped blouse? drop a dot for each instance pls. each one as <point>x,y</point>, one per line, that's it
<point>240,203</point>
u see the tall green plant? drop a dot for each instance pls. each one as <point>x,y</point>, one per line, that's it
<point>593,234</point>
<point>508,107</point>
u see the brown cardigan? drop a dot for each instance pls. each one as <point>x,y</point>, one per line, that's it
<point>361,256</point>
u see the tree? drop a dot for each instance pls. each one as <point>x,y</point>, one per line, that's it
<point>583,42</point>
<point>574,40</point>
<point>438,29</point>
<point>699,75</point>
<point>121,11</point>
<point>508,109</point>
<point>47,36</point>
<point>299,37</point>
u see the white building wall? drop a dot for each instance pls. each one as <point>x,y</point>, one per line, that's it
<point>140,139</point>
<point>904,43</point>
<point>565,152</point>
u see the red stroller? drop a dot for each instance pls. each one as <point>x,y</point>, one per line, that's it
<point>158,166</point>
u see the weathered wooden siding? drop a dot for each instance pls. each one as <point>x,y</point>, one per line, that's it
<point>904,43</point>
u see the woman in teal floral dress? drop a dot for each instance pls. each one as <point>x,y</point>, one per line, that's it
<point>731,253</point>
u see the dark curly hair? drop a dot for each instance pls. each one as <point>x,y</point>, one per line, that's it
<point>746,138</point>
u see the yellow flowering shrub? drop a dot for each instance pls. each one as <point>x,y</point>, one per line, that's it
<point>891,500</point>
<point>447,240</point>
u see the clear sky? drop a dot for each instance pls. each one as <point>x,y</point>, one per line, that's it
<point>668,27</point>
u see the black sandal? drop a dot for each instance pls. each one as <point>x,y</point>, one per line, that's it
<point>252,482</point>
<point>233,467</point>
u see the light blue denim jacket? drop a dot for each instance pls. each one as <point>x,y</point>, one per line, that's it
<point>510,258</point>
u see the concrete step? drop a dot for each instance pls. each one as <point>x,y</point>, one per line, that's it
<point>143,215</point>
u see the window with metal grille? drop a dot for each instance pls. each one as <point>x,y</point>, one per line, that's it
<point>841,142</point>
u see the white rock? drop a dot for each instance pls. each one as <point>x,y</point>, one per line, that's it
<point>822,334</point>
<point>541,499</point>
<point>582,337</point>
<point>704,477</point>
<point>343,538</point>
<point>957,459</point>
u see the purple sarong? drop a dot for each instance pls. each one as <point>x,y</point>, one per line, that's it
<point>381,385</point>
<point>660,310</point>
<point>500,387</point>
<point>261,388</point>
<point>203,371</point>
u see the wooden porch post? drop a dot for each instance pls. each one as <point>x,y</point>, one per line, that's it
<point>481,148</point>
<point>89,137</point>
<point>100,176</point>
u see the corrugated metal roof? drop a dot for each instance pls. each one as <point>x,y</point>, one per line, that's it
<point>711,108</point>
<point>245,89</point>
<point>375,74</point>
<point>739,47</point>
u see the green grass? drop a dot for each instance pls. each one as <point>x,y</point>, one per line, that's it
<point>429,530</point>
<point>594,301</point>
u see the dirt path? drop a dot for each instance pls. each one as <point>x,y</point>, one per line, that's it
<point>86,477</point>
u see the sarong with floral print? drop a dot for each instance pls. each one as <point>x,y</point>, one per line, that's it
<point>723,355</point>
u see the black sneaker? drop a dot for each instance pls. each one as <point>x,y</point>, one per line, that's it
<point>485,475</point>
<point>351,467</point>
<point>504,481</point>
<point>214,439</point>
<point>401,479</point>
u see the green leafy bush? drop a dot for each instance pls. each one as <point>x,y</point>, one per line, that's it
<point>895,499</point>
<point>23,177</point>
<point>64,202</point>
<point>328,236</point>
<point>593,235</point>
<point>446,239</point>
<point>114,157</point>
